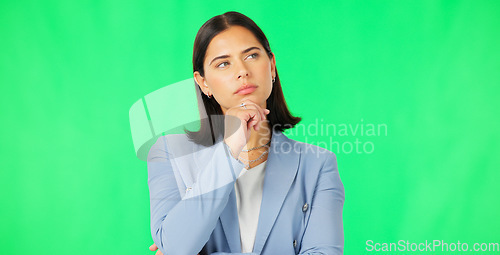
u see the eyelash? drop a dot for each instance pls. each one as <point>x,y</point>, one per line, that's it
<point>256,55</point>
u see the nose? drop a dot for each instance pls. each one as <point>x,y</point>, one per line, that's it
<point>242,71</point>
<point>242,75</point>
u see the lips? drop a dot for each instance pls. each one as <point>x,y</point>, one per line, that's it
<point>246,89</point>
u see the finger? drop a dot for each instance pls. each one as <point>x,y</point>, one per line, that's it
<point>153,247</point>
<point>258,107</point>
<point>262,117</point>
<point>257,119</point>
<point>253,106</point>
<point>251,114</point>
<point>159,253</point>
<point>263,113</point>
<point>253,120</point>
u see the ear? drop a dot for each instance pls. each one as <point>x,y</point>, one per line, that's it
<point>201,81</point>
<point>273,66</point>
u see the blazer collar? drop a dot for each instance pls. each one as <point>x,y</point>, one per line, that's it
<point>281,169</point>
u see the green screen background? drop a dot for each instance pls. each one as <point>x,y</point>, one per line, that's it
<point>429,70</point>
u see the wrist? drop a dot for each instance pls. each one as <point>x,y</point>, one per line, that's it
<point>230,149</point>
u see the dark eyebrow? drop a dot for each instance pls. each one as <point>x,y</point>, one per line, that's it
<point>226,56</point>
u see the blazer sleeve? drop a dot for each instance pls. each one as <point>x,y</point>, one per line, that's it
<point>183,225</point>
<point>324,232</point>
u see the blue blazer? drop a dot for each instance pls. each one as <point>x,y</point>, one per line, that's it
<point>193,204</point>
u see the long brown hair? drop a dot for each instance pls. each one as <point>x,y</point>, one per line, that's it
<point>212,127</point>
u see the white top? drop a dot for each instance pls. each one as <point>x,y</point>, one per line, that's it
<point>248,189</point>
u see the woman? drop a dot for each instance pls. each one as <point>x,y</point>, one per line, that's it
<point>239,185</point>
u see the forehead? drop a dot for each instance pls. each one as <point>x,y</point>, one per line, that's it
<point>231,41</point>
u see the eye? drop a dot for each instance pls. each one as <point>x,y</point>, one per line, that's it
<point>254,55</point>
<point>219,65</point>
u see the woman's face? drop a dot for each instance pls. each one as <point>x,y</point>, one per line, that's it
<point>234,60</point>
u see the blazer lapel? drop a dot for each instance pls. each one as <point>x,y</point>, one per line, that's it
<point>281,168</point>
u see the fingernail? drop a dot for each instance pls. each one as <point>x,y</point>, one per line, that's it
<point>267,111</point>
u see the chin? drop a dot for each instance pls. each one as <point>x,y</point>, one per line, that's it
<point>253,97</point>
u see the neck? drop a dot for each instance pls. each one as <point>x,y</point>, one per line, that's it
<point>259,137</point>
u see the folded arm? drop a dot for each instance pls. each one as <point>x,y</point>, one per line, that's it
<point>183,225</point>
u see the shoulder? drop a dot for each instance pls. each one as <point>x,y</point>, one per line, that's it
<point>166,140</point>
<point>317,166</point>
<point>308,152</point>
<point>172,145</point>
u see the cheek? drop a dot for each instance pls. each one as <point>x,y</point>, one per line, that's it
<point>221,89</point>
<point>266,78</point>
<point>220,86</point>
<point>217,81</point>
<point>265,69</point>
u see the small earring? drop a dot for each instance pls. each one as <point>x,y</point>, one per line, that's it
<point>208,95</point>
<point>274,79</point>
